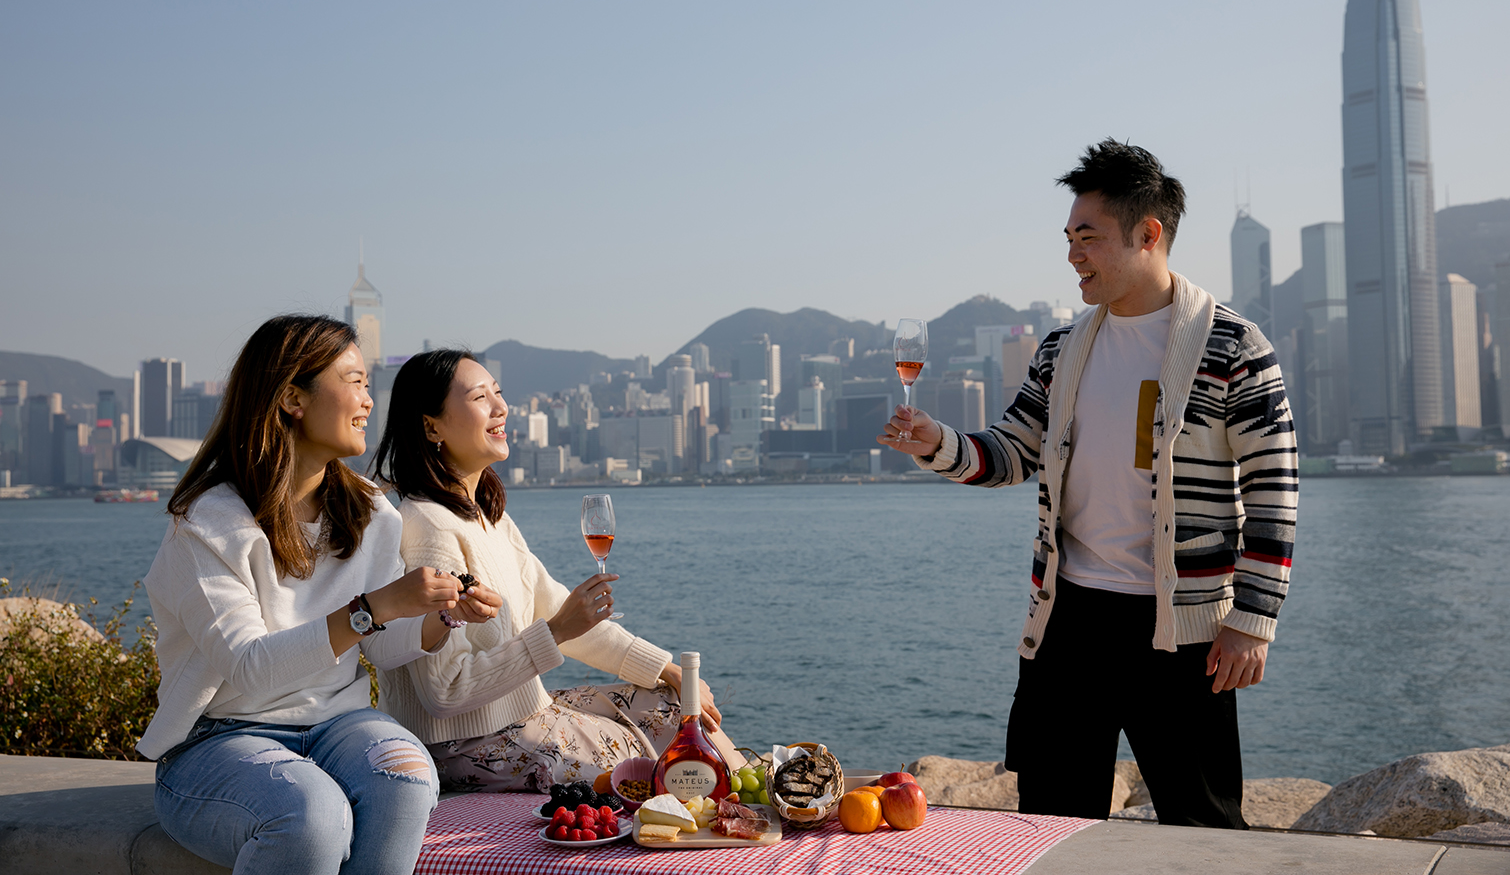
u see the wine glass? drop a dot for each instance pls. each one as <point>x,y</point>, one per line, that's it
<point>911,349</point>
<point>597,531</point>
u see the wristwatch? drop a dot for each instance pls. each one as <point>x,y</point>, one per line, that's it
<point>361,617</point>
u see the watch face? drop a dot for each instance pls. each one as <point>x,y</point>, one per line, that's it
<point>361,622</point>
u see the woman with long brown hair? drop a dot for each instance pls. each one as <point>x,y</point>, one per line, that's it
<point>478,702</point>
<point>279,566</point>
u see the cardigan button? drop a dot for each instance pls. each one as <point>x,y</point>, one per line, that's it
<point>1043,596</point>
<point>1029,642</point>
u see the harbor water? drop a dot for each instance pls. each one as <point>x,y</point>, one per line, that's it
<point>881,619</point>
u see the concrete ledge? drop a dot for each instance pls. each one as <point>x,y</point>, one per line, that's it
<point>1135,848</point>
<point>96,816</point>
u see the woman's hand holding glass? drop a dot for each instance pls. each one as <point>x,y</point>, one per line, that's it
<point>587,606</point>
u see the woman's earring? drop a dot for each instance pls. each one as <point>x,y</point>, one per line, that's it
<point>437,446</point>
<point>298,414</point>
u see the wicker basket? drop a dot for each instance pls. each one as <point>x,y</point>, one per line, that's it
<point>807,818</point>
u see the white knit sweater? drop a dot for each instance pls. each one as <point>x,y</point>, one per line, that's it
<point>236,640</point>
<point>487,675</point>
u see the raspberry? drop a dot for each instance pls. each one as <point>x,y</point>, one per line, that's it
<point>566,816</point>
<point>610,828</point>
<point>585,810</point>
<point>605,814</point>
<point>579,835</point>
<point>560,833</point>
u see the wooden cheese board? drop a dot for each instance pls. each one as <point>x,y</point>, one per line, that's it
<point>707,838</point>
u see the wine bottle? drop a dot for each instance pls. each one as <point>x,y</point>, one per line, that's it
<point>691,765</point>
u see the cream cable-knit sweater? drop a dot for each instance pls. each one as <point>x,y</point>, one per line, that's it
<point>487,676</point>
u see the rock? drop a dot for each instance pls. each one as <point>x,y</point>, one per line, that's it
<point>49,612</point>
<point>975,784</point>
<point>1128,789</point>
<point>1267,802</point>
<point>1272,802</point>
<point>1419,796</point>
<point>1278,802</point>
<point>966,783</point>
<point>1482,833</point>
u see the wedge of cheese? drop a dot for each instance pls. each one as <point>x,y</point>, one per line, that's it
<point>667,810</point>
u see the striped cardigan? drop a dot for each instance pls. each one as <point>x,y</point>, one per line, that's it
<point>1224,483</point>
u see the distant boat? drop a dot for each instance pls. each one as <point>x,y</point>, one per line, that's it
<point>124,496</point>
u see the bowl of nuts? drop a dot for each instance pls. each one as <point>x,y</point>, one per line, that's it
<point>631,781</point>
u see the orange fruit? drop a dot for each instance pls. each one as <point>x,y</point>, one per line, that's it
<point>860,811</point>
<point>872,788</point>
<point>603,783</point>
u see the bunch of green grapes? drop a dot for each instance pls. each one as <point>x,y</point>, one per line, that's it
<point>749,783</point>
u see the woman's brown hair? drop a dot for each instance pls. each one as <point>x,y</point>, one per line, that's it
<point>251,443</point>
<point>410,463</point>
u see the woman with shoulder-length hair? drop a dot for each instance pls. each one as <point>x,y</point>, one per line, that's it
<point>278,567</point>
<point>479,703</point>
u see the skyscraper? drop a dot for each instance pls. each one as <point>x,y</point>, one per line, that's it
<point>12,426</point>
<point>1323,391</point>
<point>1394,344</point>
<point>40,413</point>
<point>364,312</point>
<point>1500,329</point>
<point>1462,349</point>
<point>759,359</point>
<point>828,370</point>
<point>162,380</point>
<point>1251,276</point>
<point>681,385</point>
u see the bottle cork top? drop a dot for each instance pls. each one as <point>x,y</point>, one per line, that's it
<point>691,659</point>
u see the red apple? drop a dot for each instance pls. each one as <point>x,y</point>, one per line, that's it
<point>891,779</point>
<point>904,805</point>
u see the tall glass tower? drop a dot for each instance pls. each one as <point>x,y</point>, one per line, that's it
<point>1394,345</point>
<point>364,312</point>
<point>1252,280</point>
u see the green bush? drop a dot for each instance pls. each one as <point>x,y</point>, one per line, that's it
<point>64,692</point>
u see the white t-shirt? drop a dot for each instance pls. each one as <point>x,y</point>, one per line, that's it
<point>1108,483</point>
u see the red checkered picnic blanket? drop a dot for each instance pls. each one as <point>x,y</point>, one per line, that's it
<point>498,834</point>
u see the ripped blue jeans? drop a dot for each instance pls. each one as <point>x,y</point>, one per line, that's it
<point>350,795</point>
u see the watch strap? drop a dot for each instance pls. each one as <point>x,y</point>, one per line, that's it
<point>376,627</point>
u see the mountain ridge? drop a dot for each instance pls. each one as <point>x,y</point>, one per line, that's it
<point>77,382</point>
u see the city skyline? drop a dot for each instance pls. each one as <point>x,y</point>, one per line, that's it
<point>615,179</point>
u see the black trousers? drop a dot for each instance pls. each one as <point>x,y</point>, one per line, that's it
<point>1097,674</point>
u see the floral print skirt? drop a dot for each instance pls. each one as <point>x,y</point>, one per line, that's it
<point>584,732</point>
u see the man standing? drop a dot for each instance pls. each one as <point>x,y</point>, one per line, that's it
<point>1162,438</point>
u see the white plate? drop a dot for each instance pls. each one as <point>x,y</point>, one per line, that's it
<point>626,826</point>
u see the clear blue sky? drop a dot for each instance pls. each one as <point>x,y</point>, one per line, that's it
<point>615,176</point>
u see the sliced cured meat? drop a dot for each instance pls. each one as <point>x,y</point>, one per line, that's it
<point>730,807</point>
<point>740,827</point>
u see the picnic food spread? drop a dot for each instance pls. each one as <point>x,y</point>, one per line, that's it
<point>690,797</point>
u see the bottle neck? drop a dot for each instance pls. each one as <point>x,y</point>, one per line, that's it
<point>692,703</point>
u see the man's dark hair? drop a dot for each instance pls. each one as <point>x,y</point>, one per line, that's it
<point>1133,184</point>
